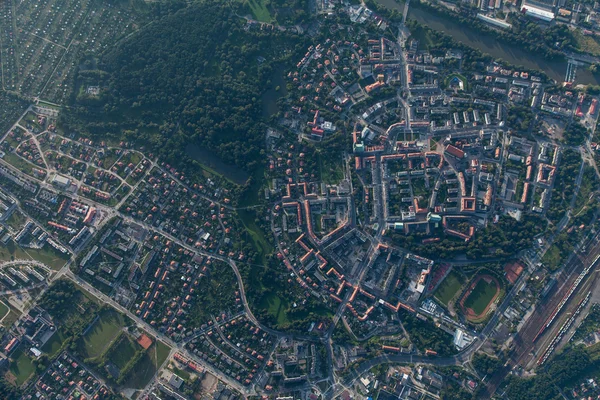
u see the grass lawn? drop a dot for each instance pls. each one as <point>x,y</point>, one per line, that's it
<point>123,351</point>
<point>46,255</point>
<point>331,170</point>
<point>552,259</point>
<point>16,220</point>
<point>50,256</point>
<point>587,44</point>
<point>11,318</point>
<point>481,296</point>
<point>148,365</point>
<point>101,334</point>
<point>109,159</point>
<point>4,310</point>
<point>449,287</point>
<point>161,353</point>
<point>21,366</point>
<point>31,118</point>
<point>260,10</point>
<point>20,163</point>
<point>131,157</point>
<point>589,183</point>
<point>459,76</point>
<point>11,251</point>
<point>52,346</point>
<point>181,373</point>
<point>277,308</point>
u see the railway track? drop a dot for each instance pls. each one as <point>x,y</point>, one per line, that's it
<point>548,311</point>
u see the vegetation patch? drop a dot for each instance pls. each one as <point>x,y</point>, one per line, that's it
<point>21,366</point>
<point>147,366</point>
<point>275,307</point>
<point>4,310</point>
<point>122,351</point>
<point>449,287</point>
<point>172,59</point>
<point>46,255</point>
<point>477,300</point>
<point>100,335</point>
<point>260,10</point>
<point>425,337</point>
<point>54,344</point>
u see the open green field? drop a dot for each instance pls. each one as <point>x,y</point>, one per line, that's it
<point>46,255</point>
<point>50,256</point>
<point>148,365</point>
<point>52,346</point>
<point>552,258</point>
<point>276,307</point>
<point>21,366</point>
<point>16,220</point>
<point>260,10</point>
<point>481,296</point>
<point>449,287</point>
<point>123,351</point>
<point>105,329</point>
<point>181,373</point>
<point>10,318</point>
<point>12,251</point>
<point>587,44</point>
<point>4,310</point>
<point>19,163</point>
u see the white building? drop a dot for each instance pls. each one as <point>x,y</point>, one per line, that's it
<point>538,13</point>
<point>461,339</point>
<point>61,181</point>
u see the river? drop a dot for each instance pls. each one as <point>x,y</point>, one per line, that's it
<point>488,43</point>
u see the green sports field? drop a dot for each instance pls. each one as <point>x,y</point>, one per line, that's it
<point>481,296</point>
<point>449,287</point>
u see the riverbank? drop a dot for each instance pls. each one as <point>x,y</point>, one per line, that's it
<point>487,43</point>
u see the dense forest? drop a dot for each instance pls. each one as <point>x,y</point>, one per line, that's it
<point>194,76</point>
<point>564,185</point>
<point>566,369</point>
<point>503,239</point>
<point>60,298</point>
<point>9,392</point>
<point>424,337</point>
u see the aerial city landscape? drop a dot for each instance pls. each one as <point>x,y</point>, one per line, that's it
<point>299,200</point>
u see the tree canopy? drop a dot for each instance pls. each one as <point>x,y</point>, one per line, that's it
<point>194,76</point>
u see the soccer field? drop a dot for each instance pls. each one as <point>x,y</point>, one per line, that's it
<point>448,288</point>
<point>481,296</point>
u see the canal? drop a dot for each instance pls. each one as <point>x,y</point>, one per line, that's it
<point>488,43</point>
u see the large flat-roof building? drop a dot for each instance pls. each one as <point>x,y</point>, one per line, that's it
<point>539,13</point>
<point>61,181</point>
